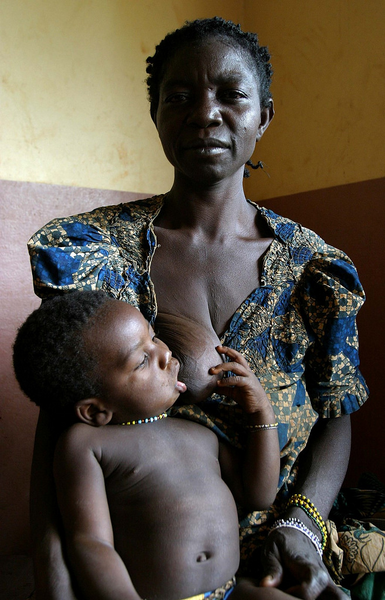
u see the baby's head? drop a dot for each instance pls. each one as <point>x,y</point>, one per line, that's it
<point>89,356</point>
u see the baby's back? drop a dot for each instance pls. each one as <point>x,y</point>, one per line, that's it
<point>174,519</point>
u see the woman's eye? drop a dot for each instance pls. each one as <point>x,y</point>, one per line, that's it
<point>234,94</point>
<point>175,98</point>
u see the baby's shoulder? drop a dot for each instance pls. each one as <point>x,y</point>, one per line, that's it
<point>78,437</point>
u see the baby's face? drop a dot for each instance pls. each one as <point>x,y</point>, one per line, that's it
<point>138,373</point>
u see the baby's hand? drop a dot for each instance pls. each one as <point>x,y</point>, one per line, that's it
<point>243,386</point>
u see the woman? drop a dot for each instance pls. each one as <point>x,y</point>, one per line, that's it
<point>205,264</point>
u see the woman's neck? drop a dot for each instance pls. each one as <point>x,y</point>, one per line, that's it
<point>211,209</point>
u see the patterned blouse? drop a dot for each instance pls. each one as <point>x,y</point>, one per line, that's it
<point>297,330</point>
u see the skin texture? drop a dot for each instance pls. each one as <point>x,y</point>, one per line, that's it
<point>210,247</point>
<point>132,497</point>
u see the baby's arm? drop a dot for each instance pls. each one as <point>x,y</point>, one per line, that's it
<point>253,477</point>
<point>99,570</point>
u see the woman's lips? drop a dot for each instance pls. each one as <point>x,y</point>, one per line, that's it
<point>206,145</point>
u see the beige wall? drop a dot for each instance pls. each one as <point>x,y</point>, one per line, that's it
<point>329,90</point>
<point>73,100</point>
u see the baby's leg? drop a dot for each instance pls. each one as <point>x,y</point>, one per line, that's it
<point>246,589</point>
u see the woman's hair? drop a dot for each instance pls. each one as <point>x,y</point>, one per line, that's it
<point>199,31</point>
<point>50,361</point>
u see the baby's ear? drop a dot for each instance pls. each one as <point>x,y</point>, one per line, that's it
<point>93,411</point>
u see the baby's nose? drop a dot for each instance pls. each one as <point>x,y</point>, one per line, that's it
<point>165,358</point>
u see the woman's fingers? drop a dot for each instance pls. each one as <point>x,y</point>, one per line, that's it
<point>291,562</point>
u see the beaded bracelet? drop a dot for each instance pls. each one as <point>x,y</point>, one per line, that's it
<point>263,426</point>
<point>301,501</point>
<point>294,523</point>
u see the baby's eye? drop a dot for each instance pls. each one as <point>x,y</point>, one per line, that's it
<point>153,334</point>
<point>143,363</point>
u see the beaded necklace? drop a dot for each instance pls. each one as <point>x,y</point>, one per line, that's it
<point>149,420</point>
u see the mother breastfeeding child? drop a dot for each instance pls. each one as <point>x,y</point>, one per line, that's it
<point>208,267</point>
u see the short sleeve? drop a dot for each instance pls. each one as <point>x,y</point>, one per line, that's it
<point>73,253</point>
<point>329,296</point>
<point>104,249</point>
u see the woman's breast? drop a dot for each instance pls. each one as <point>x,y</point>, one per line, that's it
<point>195,347</point>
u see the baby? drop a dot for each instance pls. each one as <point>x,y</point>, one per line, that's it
<point>145,500</point>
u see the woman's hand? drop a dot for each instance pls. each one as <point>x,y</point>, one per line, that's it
<point>292,564</point>
<point>290,561</point>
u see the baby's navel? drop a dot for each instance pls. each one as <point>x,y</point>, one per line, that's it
<point>202,556</point>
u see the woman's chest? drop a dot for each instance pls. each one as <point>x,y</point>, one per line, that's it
<point>205,282</point>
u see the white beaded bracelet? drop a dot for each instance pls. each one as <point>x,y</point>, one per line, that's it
<point>294,523</point>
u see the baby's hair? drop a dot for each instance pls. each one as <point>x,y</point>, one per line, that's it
<point>50,361</point>
<point>199,31</point>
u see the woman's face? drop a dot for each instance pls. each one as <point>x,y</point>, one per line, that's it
<point>209,116</point>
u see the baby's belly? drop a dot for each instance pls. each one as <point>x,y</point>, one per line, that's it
<point>190,548</point>
<point>195,348</point>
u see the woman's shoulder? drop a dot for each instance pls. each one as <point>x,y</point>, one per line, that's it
<point>308,255</point>
<point>303,243</point>
<point>101,219</point>
<point>104,248</point>
<point>291,232</point>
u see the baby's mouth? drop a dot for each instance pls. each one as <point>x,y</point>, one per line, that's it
<point>181,387</point>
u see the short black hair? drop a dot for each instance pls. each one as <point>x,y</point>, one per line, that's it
<point>50,361</point>
<point>201,30</point>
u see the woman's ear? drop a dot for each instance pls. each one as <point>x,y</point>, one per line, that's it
<point>267,113</point>
<point>93,411</point>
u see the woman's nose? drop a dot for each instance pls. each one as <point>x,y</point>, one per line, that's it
<point>205,112</point>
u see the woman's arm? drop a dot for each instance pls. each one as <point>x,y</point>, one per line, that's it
<point>52,577</point>
<point>327,298</point>
<point>324,463</point>
<point>290,559</point>
<point>253,478</point>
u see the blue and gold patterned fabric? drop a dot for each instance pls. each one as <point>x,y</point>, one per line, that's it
<point>297,330</point>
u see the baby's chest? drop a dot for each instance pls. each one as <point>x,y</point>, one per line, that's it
<point>157,456</point>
